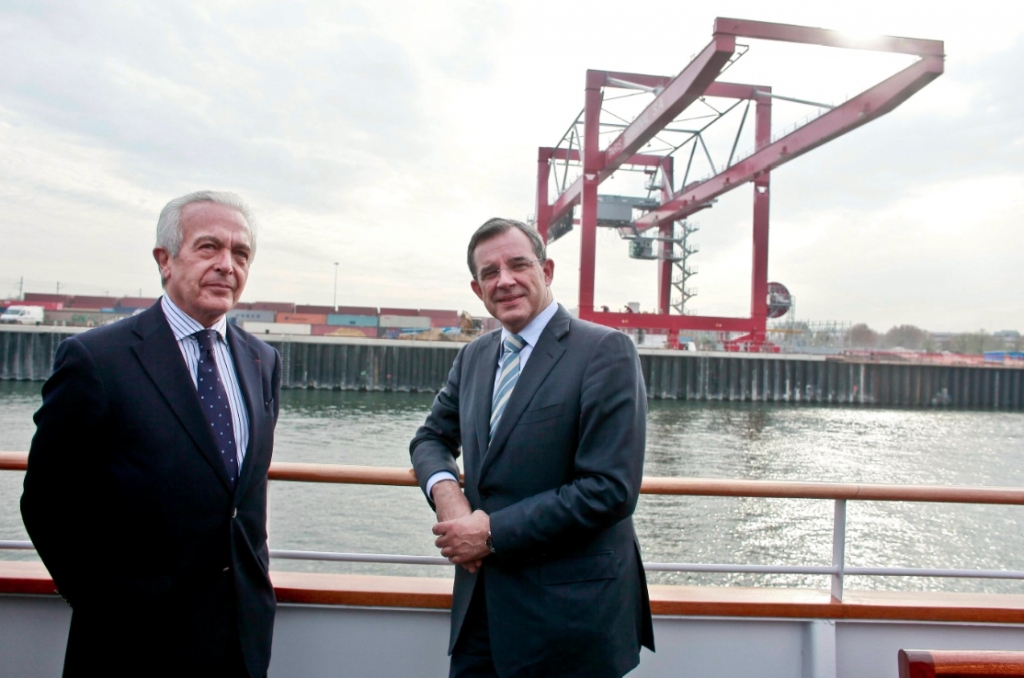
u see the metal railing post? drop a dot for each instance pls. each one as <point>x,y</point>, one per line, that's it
<point>839,549</point>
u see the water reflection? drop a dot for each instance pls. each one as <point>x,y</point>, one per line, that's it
<point>721,440</point>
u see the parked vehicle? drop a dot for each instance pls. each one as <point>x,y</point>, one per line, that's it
<point>22,315</point>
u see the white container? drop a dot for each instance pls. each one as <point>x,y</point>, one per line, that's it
<point>277,328</point>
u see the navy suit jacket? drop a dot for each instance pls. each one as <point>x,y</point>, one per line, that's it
<point>130,506</point>
<point>566,591</point>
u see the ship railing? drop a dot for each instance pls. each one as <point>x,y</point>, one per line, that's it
<point>838,493</point>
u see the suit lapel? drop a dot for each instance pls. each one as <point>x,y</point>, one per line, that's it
<point>546,353</point>
<point>250,381</point>
<point>158,352</point>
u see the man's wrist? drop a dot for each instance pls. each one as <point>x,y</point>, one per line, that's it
<point>435,479</point>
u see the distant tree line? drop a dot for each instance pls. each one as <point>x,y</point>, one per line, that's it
<point>914,338</point>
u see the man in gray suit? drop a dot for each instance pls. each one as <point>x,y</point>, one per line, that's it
<point>550,414</point>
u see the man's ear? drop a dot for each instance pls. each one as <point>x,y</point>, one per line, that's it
<point>477,289</point>
<point>549,271</point>
<point>163,259</point>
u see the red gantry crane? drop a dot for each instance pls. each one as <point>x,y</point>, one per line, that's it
<point>669,201</point>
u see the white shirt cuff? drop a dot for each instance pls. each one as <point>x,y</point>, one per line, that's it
<point>436,478</point>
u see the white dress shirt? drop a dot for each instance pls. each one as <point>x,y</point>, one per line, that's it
<point>184,327</point>
<point>530,335</point>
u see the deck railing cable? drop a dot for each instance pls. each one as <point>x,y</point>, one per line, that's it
<point>840,493</point>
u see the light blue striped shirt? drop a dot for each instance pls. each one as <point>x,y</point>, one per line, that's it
<point>531,335</point>
<point>184,328</point>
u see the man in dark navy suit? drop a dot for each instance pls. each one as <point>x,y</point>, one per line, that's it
<point>146,488</point>
<point>550,415</point>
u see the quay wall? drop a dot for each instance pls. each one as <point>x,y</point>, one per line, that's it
<point>357,364</point>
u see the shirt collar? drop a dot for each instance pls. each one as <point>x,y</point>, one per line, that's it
<point>531,333</point>
<point>184,325</point>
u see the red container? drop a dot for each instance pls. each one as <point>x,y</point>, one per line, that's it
<point>445,320</point>
<point>276,306</point>
<point>91,302</point>
<point>322,310</point>
<point>135,302</point>
<point>47,305</point>
<point>399,311</point>
<point>356,310</point>
<point>35,299</point>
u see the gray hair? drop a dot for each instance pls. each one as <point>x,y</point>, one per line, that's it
<point>495,227</point>
<point>169,235</point>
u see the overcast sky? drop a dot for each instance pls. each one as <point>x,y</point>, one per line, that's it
<point>381,134</point>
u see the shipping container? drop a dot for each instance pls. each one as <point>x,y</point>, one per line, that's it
<point>34,298</point>
<point>48,305</point>
<point>399,311</point>
<point>238,316</point>
<point>338,319</point>
<point>356,310</point>
<point>403,321</point>
<point>322,310</point>
<point>445,320</point>
<point>276,328</point>
<point>342,331</point>
<point>302,318</point>
<point>439,313</point>
<point>135,302</point>
<point>276,306</point>
<point>91,302</point>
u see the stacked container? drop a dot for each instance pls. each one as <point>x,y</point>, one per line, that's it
<point>253,327</point>
<point>238,316</point>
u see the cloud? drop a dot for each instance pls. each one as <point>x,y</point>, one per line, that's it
<point>381,134</point>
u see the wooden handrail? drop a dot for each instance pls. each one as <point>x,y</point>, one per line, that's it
<point>703,487</point>
<point>960,663</point>
<point>27,578</point>
<point>336,473</point>
<point>784,489</point>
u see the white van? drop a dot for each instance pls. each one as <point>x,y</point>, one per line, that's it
<point>23,315</point>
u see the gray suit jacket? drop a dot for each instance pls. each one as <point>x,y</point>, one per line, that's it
<point>566,591</point>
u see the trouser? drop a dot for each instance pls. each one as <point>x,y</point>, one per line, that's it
<point>471,657</point>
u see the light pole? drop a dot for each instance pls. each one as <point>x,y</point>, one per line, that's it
<point>335,286</point>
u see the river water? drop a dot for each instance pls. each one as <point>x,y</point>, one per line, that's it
<point>708,440</point>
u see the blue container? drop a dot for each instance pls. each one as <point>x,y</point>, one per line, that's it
<point>236,316</point>
<point>342,320</point>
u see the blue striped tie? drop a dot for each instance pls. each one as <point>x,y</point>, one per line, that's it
<point>511,347</point>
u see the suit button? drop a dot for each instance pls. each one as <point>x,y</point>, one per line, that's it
<point>234,513</point>
<point>484,495</point>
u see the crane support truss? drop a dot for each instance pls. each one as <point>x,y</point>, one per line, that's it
<point>674,95</point>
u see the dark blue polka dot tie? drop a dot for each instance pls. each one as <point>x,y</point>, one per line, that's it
<point>214,399</point>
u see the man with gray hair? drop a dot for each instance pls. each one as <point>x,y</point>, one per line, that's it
<point>146,488</point>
